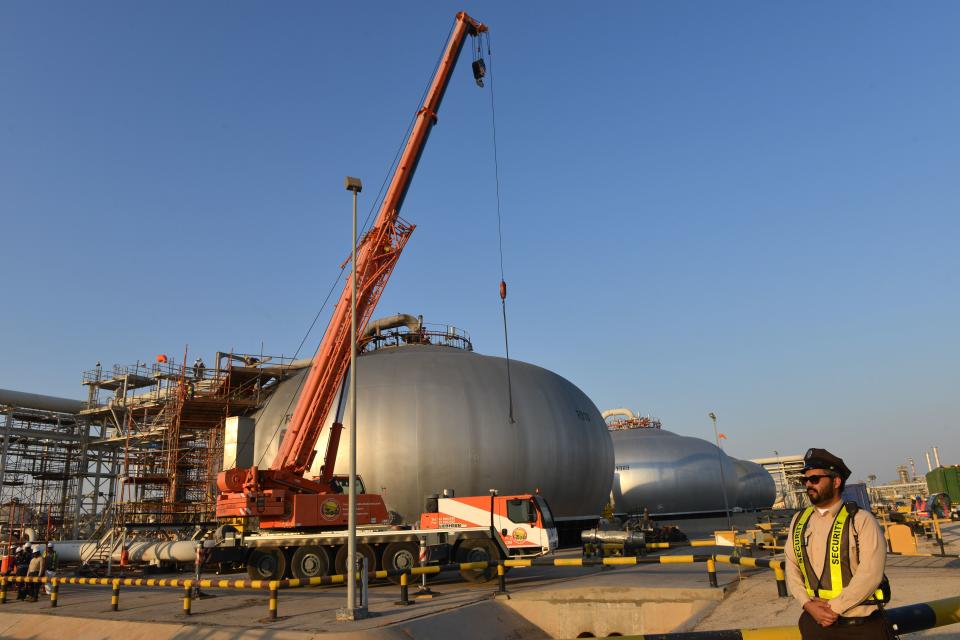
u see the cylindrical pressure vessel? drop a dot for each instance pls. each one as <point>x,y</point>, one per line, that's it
<point>667,473</point>
<point>755,486</point>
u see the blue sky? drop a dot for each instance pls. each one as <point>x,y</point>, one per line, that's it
<point>746,207</point>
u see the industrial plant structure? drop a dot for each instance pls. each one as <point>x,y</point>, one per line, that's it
<point>143,449</point>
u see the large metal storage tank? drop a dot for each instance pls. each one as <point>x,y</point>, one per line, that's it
<point>668,473</point>
<point>755,486</point>
<point>435,417</point>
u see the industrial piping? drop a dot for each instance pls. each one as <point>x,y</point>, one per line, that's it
<point>618,412</point>
<point>146,551</point>
<point>41,402</point>
<point>374,327</point>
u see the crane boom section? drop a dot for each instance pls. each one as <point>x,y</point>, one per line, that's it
<point>377,254</point>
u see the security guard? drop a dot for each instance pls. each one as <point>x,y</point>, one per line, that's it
<point>835,558</point>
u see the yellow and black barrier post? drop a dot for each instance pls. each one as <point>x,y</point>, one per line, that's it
<point>769,563</point>
<point>187,592</point>
<point>3,590</point>
<point>115,598</point>
<point>781,579</point>
<point>712,571</point>
<point>54,591</point>
<point>501,581</point>
<point>274,595</point>
<point>404,600</point>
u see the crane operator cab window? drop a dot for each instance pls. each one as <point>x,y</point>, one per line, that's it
<point>520,510</point>
<point>341,484</point>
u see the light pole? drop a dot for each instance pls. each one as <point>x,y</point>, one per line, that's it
<point>353,613</point>
<point>723,481</point>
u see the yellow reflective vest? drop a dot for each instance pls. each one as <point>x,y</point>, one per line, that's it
<point>836,572</point>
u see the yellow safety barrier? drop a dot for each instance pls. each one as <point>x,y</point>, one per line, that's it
<point>769,563</point>
<point>274,586</point>
<point>908,619</point>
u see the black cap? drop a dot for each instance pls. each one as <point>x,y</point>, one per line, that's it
<point>823,459</point>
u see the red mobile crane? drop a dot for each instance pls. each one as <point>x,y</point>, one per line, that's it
<point>280,496</point>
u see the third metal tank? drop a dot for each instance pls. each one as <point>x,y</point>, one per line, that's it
<point>668,473</point>
<point>434,417</point>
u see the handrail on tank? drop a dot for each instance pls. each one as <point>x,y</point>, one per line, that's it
<point>422,333</point>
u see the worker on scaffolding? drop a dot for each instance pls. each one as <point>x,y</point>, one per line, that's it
<point>198,368</point>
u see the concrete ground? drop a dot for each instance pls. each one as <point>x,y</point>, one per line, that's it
<point>545,602</point>
<point>306,613</point>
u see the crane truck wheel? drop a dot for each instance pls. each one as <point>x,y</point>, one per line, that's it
<point>477,551</point>
<point>340,562</point>
<point>400,556</point>
<point>309,562</point>
<point>266,564</point>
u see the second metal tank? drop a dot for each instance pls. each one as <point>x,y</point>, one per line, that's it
<point>667,473</point>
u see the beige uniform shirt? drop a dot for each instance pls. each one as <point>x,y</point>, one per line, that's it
<point>35,567</point>
<point>867,567</point>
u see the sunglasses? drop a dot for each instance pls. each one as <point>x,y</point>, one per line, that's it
<point>814,479</point>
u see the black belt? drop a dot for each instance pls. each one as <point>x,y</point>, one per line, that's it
<point>857,620</point>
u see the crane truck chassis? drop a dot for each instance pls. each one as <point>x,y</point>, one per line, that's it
<point>468,529</point>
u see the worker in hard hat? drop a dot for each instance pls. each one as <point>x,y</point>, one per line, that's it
<point>34,570</point>
<point>198,368</point>
<point>49,566</point>
<point>23,563</point>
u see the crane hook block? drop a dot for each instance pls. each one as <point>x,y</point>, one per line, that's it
<point>479,71</point>
<point>503,290</point>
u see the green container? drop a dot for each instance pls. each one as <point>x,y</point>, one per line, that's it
<point>945,480</point>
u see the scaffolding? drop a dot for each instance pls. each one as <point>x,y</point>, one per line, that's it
<point>166,423</point>
<point>144,449</point>
<point>52,483</point>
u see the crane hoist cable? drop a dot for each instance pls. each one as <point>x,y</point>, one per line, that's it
<point>479,70</point>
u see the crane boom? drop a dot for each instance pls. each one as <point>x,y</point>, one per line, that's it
<point>377,255</point>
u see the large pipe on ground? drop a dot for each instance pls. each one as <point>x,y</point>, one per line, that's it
<point>23,400</point>
<point>148,551</point>
<point>631,540</point>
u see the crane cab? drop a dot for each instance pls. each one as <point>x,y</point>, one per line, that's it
<point>523,522</point>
